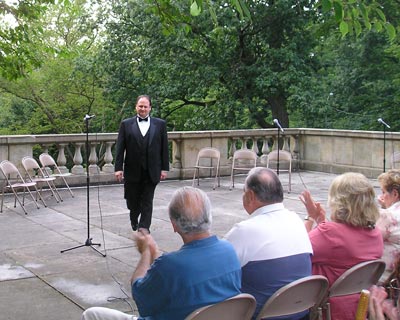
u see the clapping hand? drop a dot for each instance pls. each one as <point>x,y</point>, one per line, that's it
<point>314,209</point>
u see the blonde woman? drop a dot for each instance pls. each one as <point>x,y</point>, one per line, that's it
<point>389,220</point>
<point>348,239</point>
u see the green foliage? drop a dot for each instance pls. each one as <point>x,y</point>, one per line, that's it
<point>56,96</point>
<point>320,64</point>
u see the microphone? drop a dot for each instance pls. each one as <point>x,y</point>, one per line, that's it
<point>276,122</point>
<point>380,120</point>
<point>87,117</point>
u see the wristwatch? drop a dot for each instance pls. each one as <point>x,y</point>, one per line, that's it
<point>308,218</point>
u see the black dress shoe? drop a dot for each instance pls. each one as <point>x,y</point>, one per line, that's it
<point>134,226</point>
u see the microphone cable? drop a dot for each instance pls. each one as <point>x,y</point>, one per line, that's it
<point>126,296</point>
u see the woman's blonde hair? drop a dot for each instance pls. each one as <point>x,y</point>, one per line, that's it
<point>352,200</point>
<point>390,180</point>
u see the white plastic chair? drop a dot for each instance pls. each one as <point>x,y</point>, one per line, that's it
<point>15,182</point>
<point>295,297</point>
<point>47,163</point>
<point>35,174</point>
<point>285,163</point>
<point>239,307</point>
<point>208,158</point>
<point>243,161</point>
<point>357,278</point>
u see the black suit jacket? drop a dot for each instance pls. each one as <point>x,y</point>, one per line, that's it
<point>128,157</point>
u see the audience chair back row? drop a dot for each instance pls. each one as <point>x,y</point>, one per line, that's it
<point>243,161</point>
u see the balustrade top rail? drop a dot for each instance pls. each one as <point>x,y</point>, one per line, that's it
<point>324,150</point>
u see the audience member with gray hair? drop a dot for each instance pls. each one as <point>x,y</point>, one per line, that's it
<point>205,270</point>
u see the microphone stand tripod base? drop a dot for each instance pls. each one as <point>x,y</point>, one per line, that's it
<point>88,243</point>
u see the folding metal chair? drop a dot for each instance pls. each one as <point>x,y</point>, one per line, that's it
<point>359,277</point>
<point>239,307</point>
<point>48,162</point>
<point>296,297</point>
<point>243,160</point>
<point>15,182</point>
<point>35,174</point>
<point>208,154</point>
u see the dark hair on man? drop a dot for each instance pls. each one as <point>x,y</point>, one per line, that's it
<point>143,96</point>
<point>265,184</point>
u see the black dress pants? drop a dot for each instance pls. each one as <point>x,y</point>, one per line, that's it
<point>139,200</point>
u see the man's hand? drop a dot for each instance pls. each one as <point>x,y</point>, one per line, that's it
<point>119,175</point>
<point>163,175</point>
<point>144,242</point>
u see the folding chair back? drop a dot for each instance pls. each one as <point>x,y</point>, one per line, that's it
<point>285,163</point>
<point>243,161</point>
<point>15,182</point>
<point>295,297</point>
<point>240,307</point>
<point>34,173</point>
<point>47,161</point>
<point>212,156</point>
<point>359,277</point>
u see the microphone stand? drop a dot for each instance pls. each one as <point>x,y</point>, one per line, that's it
<point>88,242</point>
<point>384,148</point>
<point>277,164</point>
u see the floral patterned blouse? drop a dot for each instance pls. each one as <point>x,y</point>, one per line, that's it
<point>389,225</point>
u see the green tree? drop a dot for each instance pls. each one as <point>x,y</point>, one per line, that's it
<point>350,16</point>
<point>68,83</point>
<point>241,73</point>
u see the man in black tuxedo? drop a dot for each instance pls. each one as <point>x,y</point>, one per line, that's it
<point>141,161</point>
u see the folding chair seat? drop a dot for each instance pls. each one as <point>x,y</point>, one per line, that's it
<point>47,163</point>
<point>359,277</point>
<point>285,163</point>
<point>295,297</point>
<point>35,174</point>
<point>15,182</point>
<point>207,158</point>
<point>243,161</point>
<point>239,307</point>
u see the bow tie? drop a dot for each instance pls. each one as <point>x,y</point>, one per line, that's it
<point>143,119</point>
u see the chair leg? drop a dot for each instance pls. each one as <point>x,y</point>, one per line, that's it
<point>328,311</point>
<point>66,184</point>
<point>2,200</point>
<point>56,190</point>
<point>22,204</point>
<point>39,193</point>
<point>52,191</point>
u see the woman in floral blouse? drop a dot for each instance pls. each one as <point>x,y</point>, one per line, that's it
<point>389,221</point>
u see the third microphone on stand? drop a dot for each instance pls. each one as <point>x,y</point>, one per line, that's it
<point>380,120</point>
<point>276,122</point>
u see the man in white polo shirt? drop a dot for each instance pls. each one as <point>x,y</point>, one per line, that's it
<point>272,245</point>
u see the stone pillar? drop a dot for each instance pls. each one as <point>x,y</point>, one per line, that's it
<point>93,167</point>
<point>108,158</point>
<point>61,160</point>
<point>78,168</point>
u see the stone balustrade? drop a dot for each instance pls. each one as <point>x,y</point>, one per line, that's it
<point>333,151</point>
